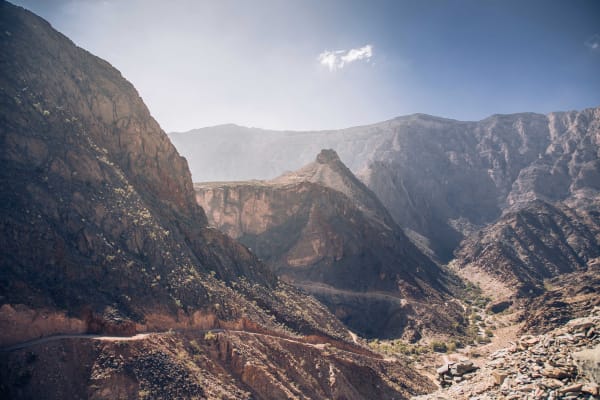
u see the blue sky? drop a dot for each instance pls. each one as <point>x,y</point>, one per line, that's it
<point>321,64</point>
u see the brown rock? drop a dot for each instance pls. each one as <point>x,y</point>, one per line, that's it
<point>591,388</point>
<point>462,367</point>
<point>443,369</point>
<point>571,388</point>
<point>588,362</point>
<point>528,341</point>
<point>555,372</point>
<point>552,383</point>
<point>499,377</point>
<point>581,324</point>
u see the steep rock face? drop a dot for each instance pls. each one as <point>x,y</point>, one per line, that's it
<point>325,231</point>
<point>100,232</point>
<point>438,177</point>
<point>536,242</point>
<point>92,190</point>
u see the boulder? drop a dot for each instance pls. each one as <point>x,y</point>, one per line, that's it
<point>588,363</point>
<point>499,377</point>
<point>462,367</point>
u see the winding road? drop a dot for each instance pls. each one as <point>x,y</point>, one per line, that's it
<point>144,335</point>
<point>53,338</point>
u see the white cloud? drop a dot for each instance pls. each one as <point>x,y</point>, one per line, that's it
<point>593,42</point>
<point>358,54</point>
<point>328,59</point>
<point>340,58</point>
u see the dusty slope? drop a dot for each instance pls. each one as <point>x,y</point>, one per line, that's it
<point>221,365</point>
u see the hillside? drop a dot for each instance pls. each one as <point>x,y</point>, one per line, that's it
<point>539,241</point>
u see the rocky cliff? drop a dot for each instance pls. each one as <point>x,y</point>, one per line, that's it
<point>101,233</point>
<point>92,190</point>
<point>325,231</point>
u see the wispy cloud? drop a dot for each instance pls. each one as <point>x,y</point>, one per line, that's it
<point>593,43</point>
<point>338,59</point>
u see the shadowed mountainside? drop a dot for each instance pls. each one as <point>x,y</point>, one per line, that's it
<point>325,231</point>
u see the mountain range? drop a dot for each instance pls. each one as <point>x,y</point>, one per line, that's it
<point>136,264</point>
<point>440,179</point>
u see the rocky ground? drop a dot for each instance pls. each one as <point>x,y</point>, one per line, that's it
<point>526,348</point>
<point>545,348</point>
<point>560,364</point>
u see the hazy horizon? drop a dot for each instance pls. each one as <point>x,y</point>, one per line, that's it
<point>328,65</point>
<point>377,122</point>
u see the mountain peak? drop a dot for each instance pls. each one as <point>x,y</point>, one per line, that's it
<point>330,171</point>
<point>328,156</point>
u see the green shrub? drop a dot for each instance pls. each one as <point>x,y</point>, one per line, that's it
<point>483,339</point>
<point>452,347</point>
<point>439,347</point>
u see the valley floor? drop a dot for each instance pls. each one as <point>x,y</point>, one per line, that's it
<point>547,347</point>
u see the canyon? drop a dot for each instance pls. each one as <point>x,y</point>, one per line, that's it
<point>440,179</point>
<point>324,231</point>
<point>419,256</point>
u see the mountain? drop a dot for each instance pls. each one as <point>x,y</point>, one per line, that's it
<point>323,230</point>
<point>439,178</point>
<point>102,239</point>
<point>527,246</point>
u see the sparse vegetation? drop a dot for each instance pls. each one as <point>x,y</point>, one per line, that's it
<point>483,339</point>
<point>398,346</point>
<point>439,347</point>
<point>548,286</point>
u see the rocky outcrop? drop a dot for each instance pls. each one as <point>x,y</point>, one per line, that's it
<point>93,191</point>
<point>568,296</point>
<point>455,371</point>
<point>325,231</point>
<point>539,241</point>
<point>101,233</point>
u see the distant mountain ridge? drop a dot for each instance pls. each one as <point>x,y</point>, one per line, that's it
<point>437,177</point>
